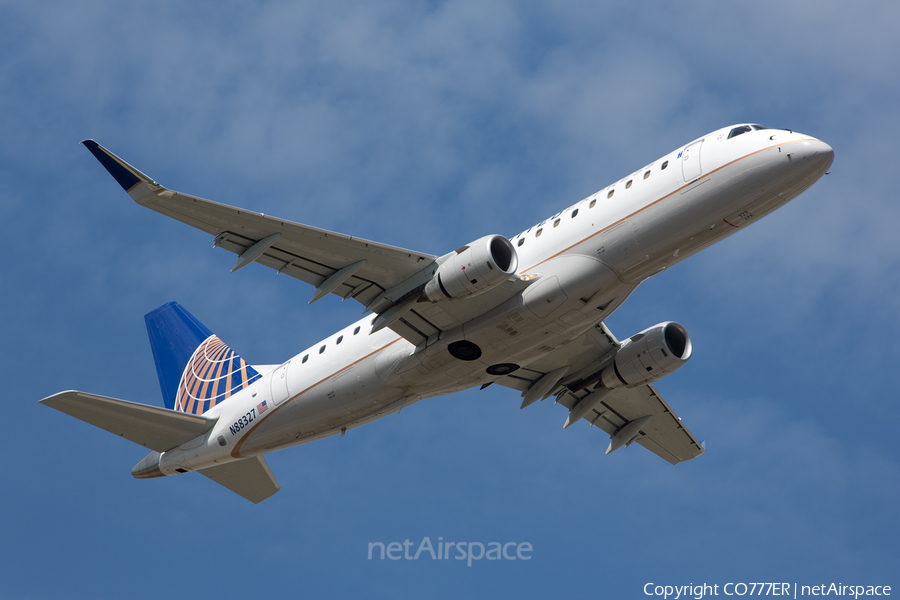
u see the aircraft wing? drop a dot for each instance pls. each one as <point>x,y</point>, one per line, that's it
<point>378,276</point>
<point>663,434</point>
<point>384,279</point>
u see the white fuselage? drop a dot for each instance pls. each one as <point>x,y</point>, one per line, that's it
<point>584,262</point>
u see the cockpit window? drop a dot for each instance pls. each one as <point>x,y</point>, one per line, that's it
<point>759,127</point>
<point>739,130</point>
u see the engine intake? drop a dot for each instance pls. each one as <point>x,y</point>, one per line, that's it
<point>648,356</point>
<point>475,268</point>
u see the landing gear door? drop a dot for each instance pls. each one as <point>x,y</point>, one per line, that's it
<point>690,162</point>
<point>280,391</point>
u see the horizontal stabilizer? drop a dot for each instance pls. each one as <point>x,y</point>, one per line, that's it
<point>250,478</point>
<point>155,428</point>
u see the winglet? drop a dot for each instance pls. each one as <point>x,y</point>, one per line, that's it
<point>126,175</point>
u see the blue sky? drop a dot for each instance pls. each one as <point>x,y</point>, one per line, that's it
<point>428,125</point>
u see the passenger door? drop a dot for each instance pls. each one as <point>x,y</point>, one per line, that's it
<point>690,162</point>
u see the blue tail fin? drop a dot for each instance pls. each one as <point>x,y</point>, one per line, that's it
<point>196,369</point>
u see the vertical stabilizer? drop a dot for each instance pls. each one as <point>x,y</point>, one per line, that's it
<point>196,369</point>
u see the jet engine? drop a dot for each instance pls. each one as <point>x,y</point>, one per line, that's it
<point>648,356</point>
<point>475,268</point>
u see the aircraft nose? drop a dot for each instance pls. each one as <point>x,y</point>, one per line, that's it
<point>815,153</point>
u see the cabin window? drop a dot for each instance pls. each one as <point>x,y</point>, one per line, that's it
<point>305,358</point>
<point>340,339</point>
<point>610,194</point>
<point>322,349</point>
<point>538,233</point>
<point>593,203</point>
<point>647,174</point>
<point>521,241</point>
<point>628,185</point>
<point>574,213</point>
<point>664,165</point>
<point>355,331</point>
<point>556,223</point>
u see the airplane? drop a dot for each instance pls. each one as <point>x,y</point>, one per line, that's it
<point>525,312</point>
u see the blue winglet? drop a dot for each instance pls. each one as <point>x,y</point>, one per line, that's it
<point>196,369</point>
<point>126,178</point>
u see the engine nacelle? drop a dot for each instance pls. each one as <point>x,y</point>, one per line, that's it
<point>648,356</point>
<point>475,268</point>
